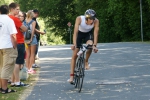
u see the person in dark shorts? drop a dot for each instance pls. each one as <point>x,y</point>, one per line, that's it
<point>14,11</point>
<point>84,25</point>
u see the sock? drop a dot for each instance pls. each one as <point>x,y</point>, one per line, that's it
<point>17,83</point>
<point>12,83</point>
<point>30,69</point>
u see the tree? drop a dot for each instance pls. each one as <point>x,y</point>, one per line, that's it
<point>119,19</point>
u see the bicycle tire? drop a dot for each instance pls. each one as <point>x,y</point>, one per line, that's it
<point>75,81</point>
<point>76,73</point>
<point>81,75</point>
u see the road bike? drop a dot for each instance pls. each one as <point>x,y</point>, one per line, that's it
<point>80,67</point>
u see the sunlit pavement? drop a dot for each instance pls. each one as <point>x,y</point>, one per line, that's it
<point>119,71</point>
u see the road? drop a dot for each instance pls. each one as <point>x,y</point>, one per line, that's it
<point>114,64</point>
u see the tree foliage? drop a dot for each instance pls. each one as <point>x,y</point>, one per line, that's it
<point>119,19</point>
<point>2,2</point>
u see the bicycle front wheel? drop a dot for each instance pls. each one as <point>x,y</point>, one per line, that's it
<point>80,75</point>
<point>76,73</point>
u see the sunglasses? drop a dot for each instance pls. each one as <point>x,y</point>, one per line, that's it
<point>92,18</point>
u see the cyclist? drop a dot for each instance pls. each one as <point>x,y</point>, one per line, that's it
<point>83,29</point>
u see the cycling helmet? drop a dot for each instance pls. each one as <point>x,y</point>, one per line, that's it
<point>90,14</point>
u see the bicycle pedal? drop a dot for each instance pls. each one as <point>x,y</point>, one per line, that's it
<point>72,83</point>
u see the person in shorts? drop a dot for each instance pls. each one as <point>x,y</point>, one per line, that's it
<point>32,43</point>
<point>8,48</point>
<point>14,11</point>
<point>37,33</point>
<point>84,25</point>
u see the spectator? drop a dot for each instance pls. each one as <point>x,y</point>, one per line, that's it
<point>8,51</point>
<point>14,11</point>
<point>37,33</point>
<point>23,73</point>
<point>30,51</point>
<point>22,16</point>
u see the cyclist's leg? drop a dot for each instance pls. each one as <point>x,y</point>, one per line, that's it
<point>74,55</point>
<point>73,62</point>
<point>89,40</point>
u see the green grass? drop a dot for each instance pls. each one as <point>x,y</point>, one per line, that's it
<point>20,90</point>
<point>11,96</point>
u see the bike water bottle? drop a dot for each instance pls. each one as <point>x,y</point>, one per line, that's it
<point>80,52</point>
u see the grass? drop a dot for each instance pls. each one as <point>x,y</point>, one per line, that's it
<point>20,90</point>
<point>12,96</point>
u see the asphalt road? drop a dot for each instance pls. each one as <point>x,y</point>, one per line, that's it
<point>119,71</point>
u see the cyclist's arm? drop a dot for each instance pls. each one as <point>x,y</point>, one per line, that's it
<point>96,30</point>
<point>76,28</point>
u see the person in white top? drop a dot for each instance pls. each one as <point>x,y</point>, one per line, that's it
<point>84,25</point>
<point>8,51</point>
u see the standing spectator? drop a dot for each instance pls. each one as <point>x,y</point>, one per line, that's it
<point>21,16</point>
<point>23,73</point>
<point>37,33</point>
<point>8,51</point>
<point>32,43</point>
<point>14,11</point>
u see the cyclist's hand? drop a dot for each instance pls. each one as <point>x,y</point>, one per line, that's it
<point>95,49</point>
<point>73,47</point>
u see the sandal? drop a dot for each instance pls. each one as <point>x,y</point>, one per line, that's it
<point>71,82</point>
<point>8,91</point>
